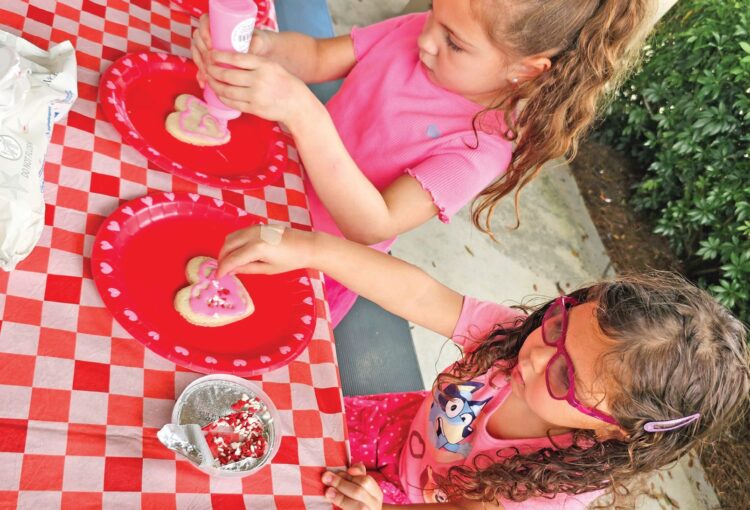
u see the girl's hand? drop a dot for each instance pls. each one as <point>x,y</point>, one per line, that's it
<point>260,44</point>
<point>353,489</point>
<point>259,86</point>
<point>244,251</point>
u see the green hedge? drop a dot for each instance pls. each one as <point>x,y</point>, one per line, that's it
<point>685,117</point>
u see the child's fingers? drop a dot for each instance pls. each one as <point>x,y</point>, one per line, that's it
<point>350,489</point>
<point>239,238</point>
<point>358,475</point>
<point>242,106</point>
<point>227,91</point>
<point>235,77</point>
<point>253,268</point>
<point>258,44</point>
<point>247,61</point>
<point>204,31</point>
<point>357,469</point>
<point>200,75</point>
<point>240,257</point>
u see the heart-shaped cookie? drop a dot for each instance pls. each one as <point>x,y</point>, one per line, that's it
<point>209,301</point>
<point>192,123</point>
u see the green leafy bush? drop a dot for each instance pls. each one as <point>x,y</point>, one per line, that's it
<point>685,117</point>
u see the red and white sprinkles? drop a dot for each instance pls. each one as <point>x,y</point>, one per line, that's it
<point>239,435</point>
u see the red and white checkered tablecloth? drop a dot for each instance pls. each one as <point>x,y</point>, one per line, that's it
<point>80,400</point>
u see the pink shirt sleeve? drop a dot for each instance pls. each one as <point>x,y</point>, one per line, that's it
<point>365,38</point>
<point>457,175</point>
<point>478,319</point>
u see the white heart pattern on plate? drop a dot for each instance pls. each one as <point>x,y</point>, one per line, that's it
<point>305,281</point>
<point>181,350</point>
<point>307,300</point>
<point>131,315</point>
<point>149,201</point>
<point>113,292</point>
<point>194,196</point>
<point>113,226</point>
<point>285,349</point>
<point>265,359</point>
<point>128,210</point>
<point>211,360</point>
<point>218,202</point>
<point>239,363</point>
<point>307,319</point>
<point>127,62</point>
<point>169,196</point>
<point>105,268</point>
<point>153,334</point>
<point>104,245</point>
<point>298,336</point>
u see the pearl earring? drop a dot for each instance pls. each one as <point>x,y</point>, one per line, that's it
<point>515,81</point>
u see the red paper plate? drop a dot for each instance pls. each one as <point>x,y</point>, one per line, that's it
<point>200,7</point>
<point>137,92</point>
<point>138,263</point>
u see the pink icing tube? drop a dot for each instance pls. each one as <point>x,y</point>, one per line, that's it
<point>232,23</point>
<point>216,297</point>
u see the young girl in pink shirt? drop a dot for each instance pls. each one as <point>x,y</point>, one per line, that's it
<point>424,121</point>
<point>548,408</point>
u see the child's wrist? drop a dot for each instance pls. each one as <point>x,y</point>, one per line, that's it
<point>316,259</point>
<point>306,112</point>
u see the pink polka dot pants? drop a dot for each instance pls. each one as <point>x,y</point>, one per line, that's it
<point>378,428</point>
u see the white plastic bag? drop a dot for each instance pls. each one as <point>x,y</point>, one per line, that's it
<point>37,88</point>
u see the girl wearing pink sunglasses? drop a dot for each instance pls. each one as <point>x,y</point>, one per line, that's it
<point>548,407</point>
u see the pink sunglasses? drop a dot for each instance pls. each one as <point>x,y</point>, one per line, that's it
<point>560,374</point>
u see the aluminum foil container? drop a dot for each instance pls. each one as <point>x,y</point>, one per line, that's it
<point>205,400</point>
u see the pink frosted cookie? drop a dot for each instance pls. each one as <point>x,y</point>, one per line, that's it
<point>191,123</point>
<point>211,302</point>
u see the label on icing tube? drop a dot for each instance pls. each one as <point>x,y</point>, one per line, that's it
<point>241,35</point>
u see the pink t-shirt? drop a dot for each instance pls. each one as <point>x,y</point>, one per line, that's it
<point>393,120</point>
<point>450,432</point>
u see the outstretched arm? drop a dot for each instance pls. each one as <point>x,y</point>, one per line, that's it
<point>397,286</point>
<point>353,489</point>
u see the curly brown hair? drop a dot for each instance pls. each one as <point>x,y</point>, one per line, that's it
<point>592,43</point>
<point>675,352</point>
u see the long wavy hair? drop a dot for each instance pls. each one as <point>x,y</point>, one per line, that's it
<point>675,352</point>
<point>593,44</point>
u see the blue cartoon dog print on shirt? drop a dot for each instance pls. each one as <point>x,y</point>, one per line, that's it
<point>452,414</point>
